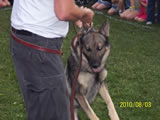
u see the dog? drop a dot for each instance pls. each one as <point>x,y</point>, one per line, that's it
<point>95,49</point>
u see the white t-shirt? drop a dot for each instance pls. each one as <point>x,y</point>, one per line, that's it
<point>38,16</point>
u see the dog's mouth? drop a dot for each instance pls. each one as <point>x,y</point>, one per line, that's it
<point>96,70</point>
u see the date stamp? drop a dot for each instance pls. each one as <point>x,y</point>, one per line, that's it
<point>135,104</point>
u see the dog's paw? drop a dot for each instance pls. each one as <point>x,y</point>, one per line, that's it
<point>96,118</point>
<point>115,117</point>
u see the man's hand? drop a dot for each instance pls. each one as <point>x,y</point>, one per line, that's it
<point>88,17</point>
<point>4,3</point>
<point>78,23</point>
<point>67,10</point>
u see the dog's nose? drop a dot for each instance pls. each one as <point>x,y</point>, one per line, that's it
<point>95,65</point>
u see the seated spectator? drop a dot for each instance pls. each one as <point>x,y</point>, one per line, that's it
<point>142,16</point>
<point>121,6</point>
<point>81,2</point>
<point>11,2</point>
<point>102,4</point>
<point>151,11</point>
<point>132,11</point>
<point>4,3</point>
<point>127,4</point>
<point>117,7</point>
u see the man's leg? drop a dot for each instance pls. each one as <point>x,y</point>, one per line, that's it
<point>41,78</point>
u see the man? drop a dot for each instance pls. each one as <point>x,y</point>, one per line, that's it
<point>4,3</point>
<point>39,25</point>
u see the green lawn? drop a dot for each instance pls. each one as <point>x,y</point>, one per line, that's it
<point>133,71</point>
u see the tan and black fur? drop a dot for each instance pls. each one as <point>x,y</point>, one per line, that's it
<point>95,51</point>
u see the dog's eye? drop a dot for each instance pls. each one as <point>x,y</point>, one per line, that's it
<point>99,48</point>
<point>88,49</point>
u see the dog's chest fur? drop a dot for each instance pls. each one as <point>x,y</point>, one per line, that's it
<point>88,83</point>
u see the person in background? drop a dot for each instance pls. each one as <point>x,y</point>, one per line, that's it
<point>121,6</point>
<point>151,11</point>
<point>117,7</point>
<point>132,11</point>
<point>102,4</point>
<point>127,4</point>
<point>40,73</point>
<point>142,16</point>
<point>4,3</point>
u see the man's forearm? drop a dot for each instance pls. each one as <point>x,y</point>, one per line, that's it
<point>66,10</point>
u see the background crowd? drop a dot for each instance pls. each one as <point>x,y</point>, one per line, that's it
<point>139,10</point>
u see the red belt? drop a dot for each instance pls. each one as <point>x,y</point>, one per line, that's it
<point>28,44</point>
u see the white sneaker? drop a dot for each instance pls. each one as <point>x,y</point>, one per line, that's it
<point>149,23</point>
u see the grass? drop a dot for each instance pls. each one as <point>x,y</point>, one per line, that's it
<point>133,70</point>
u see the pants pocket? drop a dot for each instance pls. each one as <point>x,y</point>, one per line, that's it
<point>47,98</point>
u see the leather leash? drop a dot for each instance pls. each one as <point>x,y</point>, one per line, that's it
<point>30,45</point>
<point>77,73</point>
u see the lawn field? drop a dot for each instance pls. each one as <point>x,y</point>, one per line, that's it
<point>133,70</point>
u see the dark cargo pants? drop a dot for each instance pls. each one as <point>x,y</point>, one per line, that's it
<point>41,78</point>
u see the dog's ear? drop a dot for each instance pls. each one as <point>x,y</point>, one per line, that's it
<point>86,28</point>
<point>105,29</point>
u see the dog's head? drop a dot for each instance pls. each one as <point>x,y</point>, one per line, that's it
<point>95,48</point>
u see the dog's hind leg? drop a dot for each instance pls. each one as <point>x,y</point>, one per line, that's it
<point>86,107</point>
<point>105,95</point>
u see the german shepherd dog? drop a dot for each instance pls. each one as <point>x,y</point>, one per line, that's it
<point>95,51</point>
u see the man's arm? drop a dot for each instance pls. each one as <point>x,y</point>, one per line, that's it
<point>4,3</point>
<point>67,10</point>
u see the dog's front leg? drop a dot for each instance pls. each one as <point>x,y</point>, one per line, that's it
<point>86,107</point>
<point>105,95</point>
